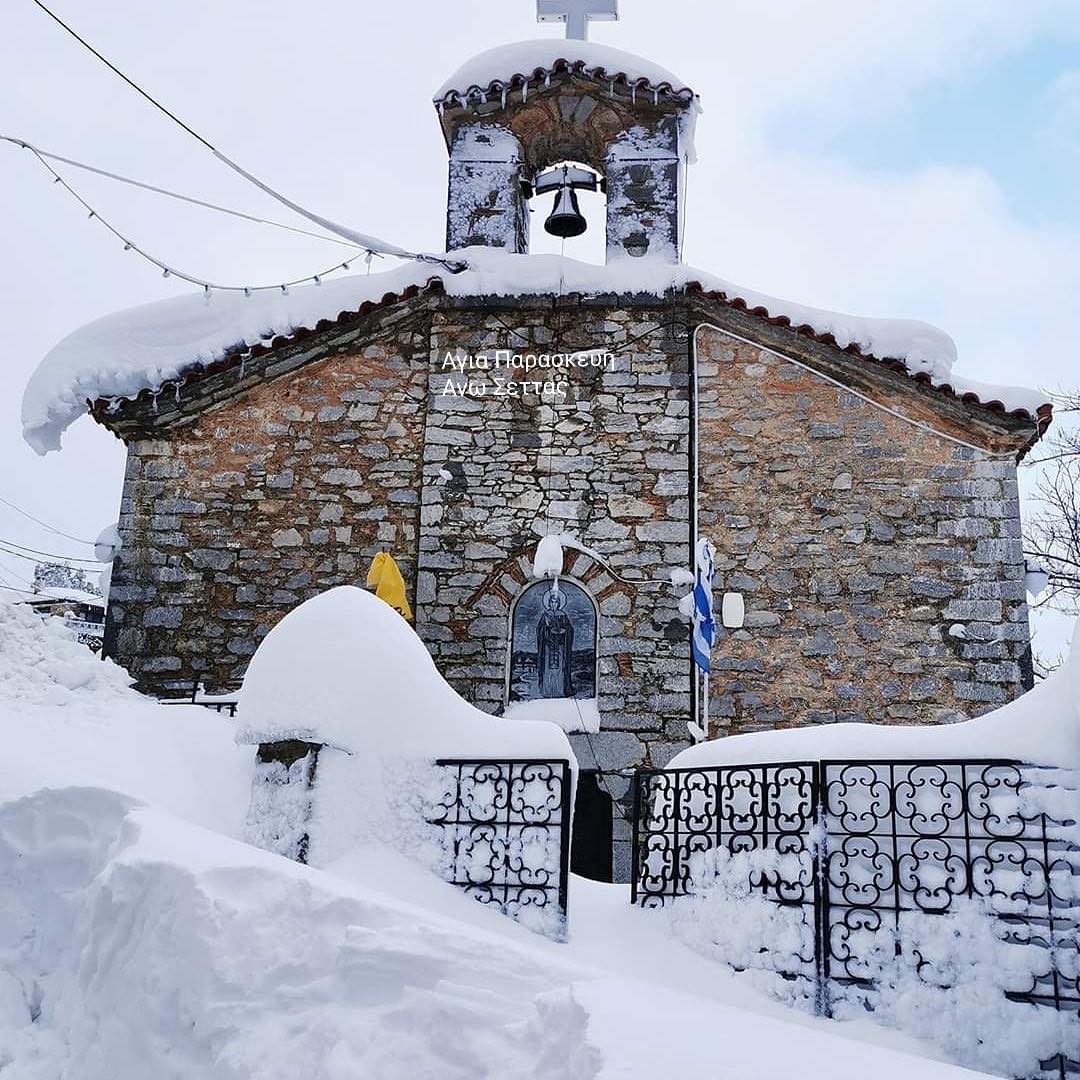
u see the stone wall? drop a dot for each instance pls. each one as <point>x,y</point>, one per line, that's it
<point>263,502</point>
<point>881,563</point>
<point>608,463</point>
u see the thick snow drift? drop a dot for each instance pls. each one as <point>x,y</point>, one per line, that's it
<point>68,717</point>
<point>148,346</point>
<point>135,945</point>
<point>345,670</point>
<point>1042,728</point>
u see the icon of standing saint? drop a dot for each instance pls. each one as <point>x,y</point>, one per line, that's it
<point>553,648</point>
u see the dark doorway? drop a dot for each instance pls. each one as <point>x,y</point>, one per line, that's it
<point>590,847</point>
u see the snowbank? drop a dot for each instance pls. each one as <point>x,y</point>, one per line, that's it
<point>147,346</point>
<point>346,671</point>
<point>1041,728</point>
<point>67,717</point>
<point>136,945</point>
<point>41,663</point>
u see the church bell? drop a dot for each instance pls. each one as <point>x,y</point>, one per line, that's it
<point>566,219</point>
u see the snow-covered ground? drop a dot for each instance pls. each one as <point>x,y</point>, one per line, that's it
<point>142,939</point>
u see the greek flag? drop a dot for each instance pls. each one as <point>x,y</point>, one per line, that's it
<point>704,628</point>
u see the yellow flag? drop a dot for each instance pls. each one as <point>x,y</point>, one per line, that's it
<point>385,578</point>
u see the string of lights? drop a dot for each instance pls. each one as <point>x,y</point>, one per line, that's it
<point>363,240</point>
<point>97,171</point>
<point>169,270</point>
<point>44,524</point>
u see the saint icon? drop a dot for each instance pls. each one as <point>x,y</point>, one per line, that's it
<point>555,648</point>
<point>553,643</point>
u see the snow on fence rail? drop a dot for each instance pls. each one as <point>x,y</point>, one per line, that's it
<point>892,884</point>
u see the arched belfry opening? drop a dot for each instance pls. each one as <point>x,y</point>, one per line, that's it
<point>506,136</point>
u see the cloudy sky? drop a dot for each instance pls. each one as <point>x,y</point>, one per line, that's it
<point>915,159</point>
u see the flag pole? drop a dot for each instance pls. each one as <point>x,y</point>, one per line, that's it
<point>705,704</point>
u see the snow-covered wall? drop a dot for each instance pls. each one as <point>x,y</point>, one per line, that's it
<point>345,676</point>
<point>1041,727</point>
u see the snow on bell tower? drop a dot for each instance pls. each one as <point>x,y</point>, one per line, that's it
<point>513,113</point>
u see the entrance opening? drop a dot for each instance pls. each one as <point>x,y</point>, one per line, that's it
<point>590,848</point>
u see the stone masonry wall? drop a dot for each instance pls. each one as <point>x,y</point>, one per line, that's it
<point>610,465</point>
<point>881,563</point>
<point>271,498</point>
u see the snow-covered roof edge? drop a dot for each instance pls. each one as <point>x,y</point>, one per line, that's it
<point>494,73</point>
<point>494,69</point>
<point>145,348</point>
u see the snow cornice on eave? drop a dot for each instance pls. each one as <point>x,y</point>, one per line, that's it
<point>244,363</point>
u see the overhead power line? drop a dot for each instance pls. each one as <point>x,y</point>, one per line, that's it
<point>43,524</point>
<point>28,553</point>
<point>173,194</point>
<point>369,243</point>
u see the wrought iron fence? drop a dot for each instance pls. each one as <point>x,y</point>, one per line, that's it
<point>681,812</point>
<point>506,835</point>
<point>878,842</point>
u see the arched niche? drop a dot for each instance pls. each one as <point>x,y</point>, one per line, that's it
<point>553,642</point>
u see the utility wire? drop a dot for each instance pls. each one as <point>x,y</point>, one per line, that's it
<point>9,547</point>
<point>173,194</point>
<point>172,271</point>
<point>363,240</point>
<point>112,67</point>
<point>45,525</point>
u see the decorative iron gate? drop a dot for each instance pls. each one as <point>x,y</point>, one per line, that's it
<point>506,835</point>
<point>874,843</point>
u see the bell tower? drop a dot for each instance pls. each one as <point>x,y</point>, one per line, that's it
<point>512,114</point>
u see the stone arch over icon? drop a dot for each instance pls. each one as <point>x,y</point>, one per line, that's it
<point>553,642</point>
<point>498,593</point>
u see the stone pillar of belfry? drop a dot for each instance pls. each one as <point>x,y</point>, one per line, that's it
<point>643,173</point>
<point>486,200</point>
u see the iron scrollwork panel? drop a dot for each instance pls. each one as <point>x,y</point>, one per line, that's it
<point>680,813</point>
<point>504,831</point>
<point>875,845</point>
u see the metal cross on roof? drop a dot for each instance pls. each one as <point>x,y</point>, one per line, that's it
<point>576,14</point>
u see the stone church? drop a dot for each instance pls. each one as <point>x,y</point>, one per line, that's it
<point>866,511</point>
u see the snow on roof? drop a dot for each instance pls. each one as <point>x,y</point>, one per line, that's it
<point>493,71</point>
<point>1042,728</point>
<point>145,347</point>
<point>501,64</point>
